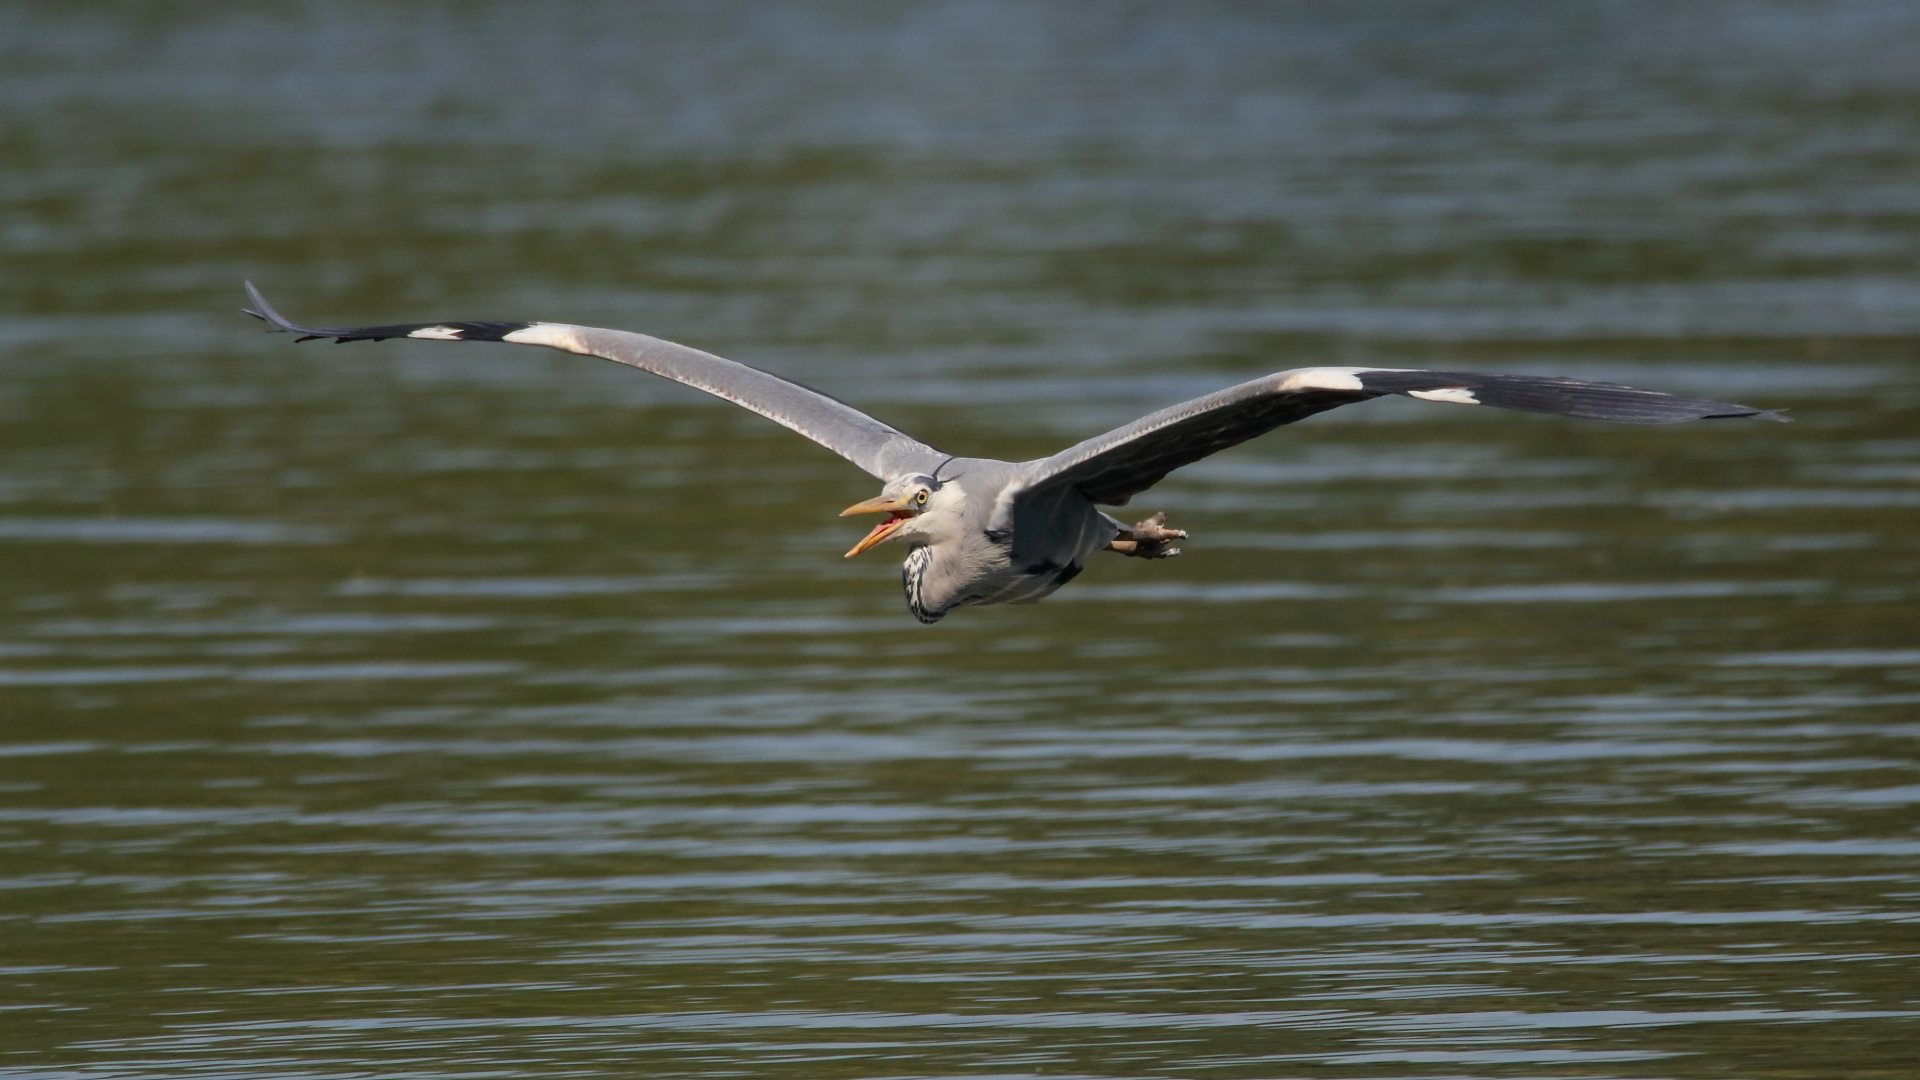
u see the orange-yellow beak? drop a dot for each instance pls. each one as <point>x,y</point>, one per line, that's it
<point>882,505</point>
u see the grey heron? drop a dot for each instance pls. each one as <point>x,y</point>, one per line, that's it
<point>981,531</point>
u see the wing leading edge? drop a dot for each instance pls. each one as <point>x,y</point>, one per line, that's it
<point>879,449</point>
<point>1113,467</point>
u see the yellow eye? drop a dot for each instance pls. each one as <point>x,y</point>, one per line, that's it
<point>920,499</point>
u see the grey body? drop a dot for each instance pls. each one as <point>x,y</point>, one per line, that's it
<point>1012,544</point>
<point>981,531</point>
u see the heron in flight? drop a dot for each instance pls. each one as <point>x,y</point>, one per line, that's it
<point>981,531</point>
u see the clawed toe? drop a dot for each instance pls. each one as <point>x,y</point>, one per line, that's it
<point>1148,539</point>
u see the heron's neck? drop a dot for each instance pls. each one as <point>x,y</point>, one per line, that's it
<point>913,575</point>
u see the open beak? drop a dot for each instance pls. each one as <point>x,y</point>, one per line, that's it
<point>881,505</point>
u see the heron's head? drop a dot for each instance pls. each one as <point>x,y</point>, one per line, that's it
<point>907,500</point>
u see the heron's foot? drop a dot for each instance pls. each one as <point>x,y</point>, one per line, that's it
<point>1149,539</point>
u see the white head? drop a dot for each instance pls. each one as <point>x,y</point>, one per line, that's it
<point>923,509</point>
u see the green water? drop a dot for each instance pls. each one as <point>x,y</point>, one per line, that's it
<point>427,711</point>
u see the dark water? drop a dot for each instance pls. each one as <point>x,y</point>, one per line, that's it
<point>430,711</point>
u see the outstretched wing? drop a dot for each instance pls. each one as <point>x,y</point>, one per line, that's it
<point>839,427</point>
<point>1118,465</point>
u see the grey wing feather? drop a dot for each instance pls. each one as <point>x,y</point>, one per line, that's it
<point>1113,467</point>
<point>868,443</point>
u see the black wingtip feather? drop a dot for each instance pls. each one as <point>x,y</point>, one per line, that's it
<point>1575,398</point>
<point>466,331</point>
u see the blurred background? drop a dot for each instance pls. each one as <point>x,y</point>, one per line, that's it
<point>426,711</point>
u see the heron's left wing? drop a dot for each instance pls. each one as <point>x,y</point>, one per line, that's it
<point>868,443</point>
<point>1113,467</point>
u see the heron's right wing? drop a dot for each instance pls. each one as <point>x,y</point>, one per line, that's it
<point>1113,467</point>
<point>868,443</point>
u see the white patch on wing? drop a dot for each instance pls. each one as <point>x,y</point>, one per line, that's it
<point>552,335</point>
<point>436,333</point>
<point>1327,378</point>
<point>1322,378</point>
<point>1459,395</point>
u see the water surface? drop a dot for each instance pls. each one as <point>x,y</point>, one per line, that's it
<point>425,711</point>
